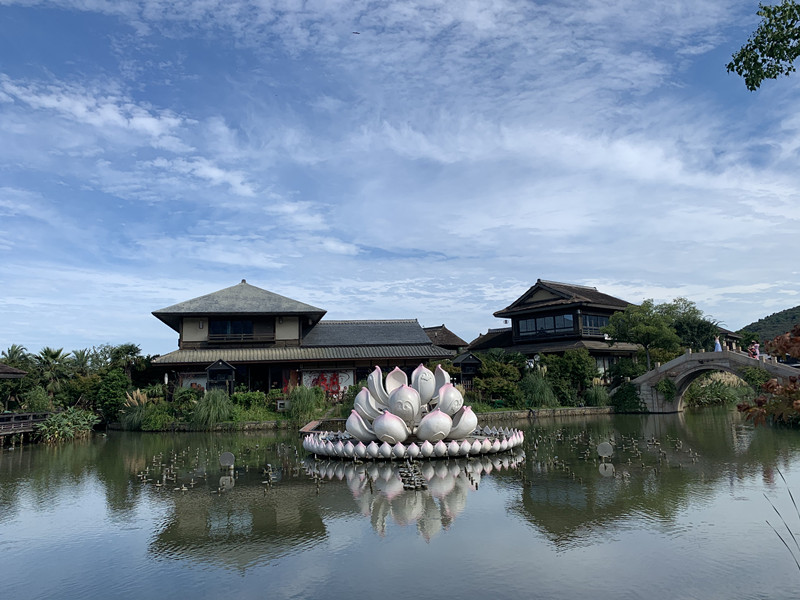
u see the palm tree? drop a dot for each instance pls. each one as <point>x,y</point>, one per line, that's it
<point>16,356</point>
<point>52,364</point>
<point>80,360</point>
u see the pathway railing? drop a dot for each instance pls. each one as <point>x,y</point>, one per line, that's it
<point>12,423</point>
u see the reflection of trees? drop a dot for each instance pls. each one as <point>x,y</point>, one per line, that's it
<point>661,464</point>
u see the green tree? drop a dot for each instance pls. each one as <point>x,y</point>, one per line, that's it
<point>644,325</point>
<point>773,47</point>
<point>80,361</point>
<point>12,390</point>
<point>570,374</point>
<point>16,356</point>
<point>52,366</point>
<point>695,330</point>
<point>498,376</point>
<point>110,394</point>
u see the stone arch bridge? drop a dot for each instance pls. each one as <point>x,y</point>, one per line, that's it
<point>683,370</point>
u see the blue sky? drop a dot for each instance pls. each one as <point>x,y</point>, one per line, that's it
<point>431,166</point>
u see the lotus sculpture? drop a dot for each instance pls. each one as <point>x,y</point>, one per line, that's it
<point>426,419</point>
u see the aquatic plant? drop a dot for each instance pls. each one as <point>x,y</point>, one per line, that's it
<point>71,424</point>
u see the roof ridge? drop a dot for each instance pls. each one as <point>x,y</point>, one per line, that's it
<point>351,321</point>
<point>574,285</point>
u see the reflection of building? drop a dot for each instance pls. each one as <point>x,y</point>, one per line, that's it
<point>552,317</point>
<point>270,341</point>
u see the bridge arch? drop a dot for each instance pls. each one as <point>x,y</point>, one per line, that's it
<point>683,370</point>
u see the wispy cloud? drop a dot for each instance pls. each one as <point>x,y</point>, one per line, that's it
<point>432,165</point>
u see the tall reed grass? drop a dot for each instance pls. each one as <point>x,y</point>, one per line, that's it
<point>213,408</point>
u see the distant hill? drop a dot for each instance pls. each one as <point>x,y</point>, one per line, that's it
<point>775,324</point>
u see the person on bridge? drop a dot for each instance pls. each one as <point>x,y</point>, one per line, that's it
<point>717,345</point>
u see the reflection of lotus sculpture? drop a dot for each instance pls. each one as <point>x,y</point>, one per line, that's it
<point>380,491</point>
<point>426,419</point>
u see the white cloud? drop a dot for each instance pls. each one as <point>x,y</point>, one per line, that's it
<point>449,154</point>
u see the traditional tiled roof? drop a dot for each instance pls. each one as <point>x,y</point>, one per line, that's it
<point>366,333</point>
<point>442,336</point>
<point>492,339</point>
<point>560,294</point>
<point>240,299</point>
<point>421,352</point>
<point>7,372</point>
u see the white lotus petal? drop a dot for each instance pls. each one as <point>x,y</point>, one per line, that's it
<point>366,406</point>
<point>397,378</point>
<point>375,384</point>
<point>399,450</point>
<point>385,450</point>
<point>360,450</point>
<point>373,450</point>
<point>464,423</point>
<point>413,450</point>
<point>424,381</point>
<point>450,399</point>
<point>434,426</point>
<point>439,449</point>
<point>390,428</point>
<point>426,449</point>
<point>357,427</point>
<point>349,449</point>
<point>404,402</point>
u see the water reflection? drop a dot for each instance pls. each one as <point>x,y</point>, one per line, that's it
<point>430,494</point>
<point>660,465</point>
<point>155,508</point>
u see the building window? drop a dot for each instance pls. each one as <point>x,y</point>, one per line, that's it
<point>550,325</point>
<point>593,323</point>
<point>228,329</point>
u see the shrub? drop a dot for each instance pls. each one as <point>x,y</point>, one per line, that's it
<point>157,417</point>
<point>596,395</point>
<point>666,387</point>
<point>709,392</point>
<point>71,424</point>
<point>249,399</point>
<point>241,414</point>
<point>626,399</point>
<point>625,367</point>
<point>214,407</point>
<point>756,376</point>
<point>537,391</point>
<point>36,400</point>
<point>184,401</point>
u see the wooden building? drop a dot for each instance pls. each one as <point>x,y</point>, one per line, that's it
<point>553,317</point>
<point>247,335</point>
<point>444,338</point>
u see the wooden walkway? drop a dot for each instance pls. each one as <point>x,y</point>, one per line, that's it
<point>13,423</point>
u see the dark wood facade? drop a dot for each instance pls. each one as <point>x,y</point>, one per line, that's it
<point>553,317</point>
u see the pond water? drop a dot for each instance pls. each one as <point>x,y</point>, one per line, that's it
<point>684,510</point>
